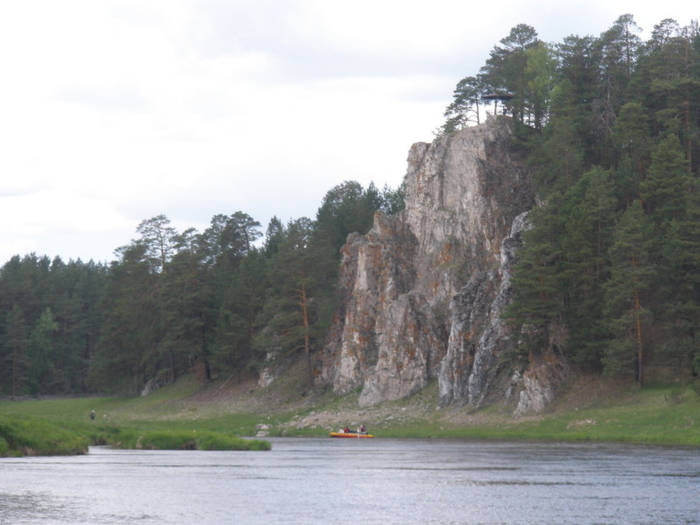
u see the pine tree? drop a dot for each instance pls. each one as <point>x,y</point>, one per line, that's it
<point>672,71</point>
<point>538,300</point>
<point>631,135</point>
<point>505,71</point>
<point>627,294</point>
<point>539,73</point>
<point>159,238</point>
<point>301,275</point>
<point>126,353</point>
<point>619,47</point>
<point>182,302</point>
<point>40,352</point>
<point>15,340</point>
<point>561,155</point>
<point>668,186</point>
<point>464,108</point>
<point>238,316</point>
<point>588,212</point>
<point>346,208</point>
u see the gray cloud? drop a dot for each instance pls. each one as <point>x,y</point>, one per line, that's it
<point>120,110</point>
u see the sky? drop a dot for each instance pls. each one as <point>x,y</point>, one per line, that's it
<point>116,111</point>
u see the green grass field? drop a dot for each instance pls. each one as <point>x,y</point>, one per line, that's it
<point>64,426</point>
<point>174,417</point>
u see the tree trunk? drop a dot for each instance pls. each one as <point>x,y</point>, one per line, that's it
<point>638,330</point>
<point>307,338</point>
<point>15,370</point>
<point>638,324</point>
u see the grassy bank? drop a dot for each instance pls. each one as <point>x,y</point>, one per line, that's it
<point>626,414</point>
<point>163,420</point>
<point>192,415</point>
<point>35,436</point>
<point>30,437</point>
<point>644,417</point>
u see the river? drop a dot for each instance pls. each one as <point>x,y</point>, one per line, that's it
<point>322,481</point>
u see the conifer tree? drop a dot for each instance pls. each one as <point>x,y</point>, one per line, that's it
<point>667,186</point>
<point>588,212</point>
<point>15,341</point>
<point>346,208</point>
<point>300,289</point>
<point>627,294</point>
<point>632,136</point>
<point>40,352</point>
<point>238,316</point>
<point>464,108</point>
<point>619,48</point>
<point>537,300</point>
<point>126,353</point>
<point>505,71</point>
<point>183,304</point>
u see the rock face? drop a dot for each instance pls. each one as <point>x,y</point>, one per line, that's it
<point>479,336</point>
<point>421,295</point>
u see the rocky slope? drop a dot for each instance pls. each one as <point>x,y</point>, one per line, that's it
<point>422,294</point>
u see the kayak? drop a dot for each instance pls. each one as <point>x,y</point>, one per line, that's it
<point>349,435</point>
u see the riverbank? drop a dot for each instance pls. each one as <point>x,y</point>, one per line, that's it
<point>590,409</point>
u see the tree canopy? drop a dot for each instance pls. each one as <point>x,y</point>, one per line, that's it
<point>612,127</point>
<point>218,303</point>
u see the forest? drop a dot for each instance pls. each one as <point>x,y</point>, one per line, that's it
<point>214,302</point>
<point>611,126</point>
<point>611,129</point>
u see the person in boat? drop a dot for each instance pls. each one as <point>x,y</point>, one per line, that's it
<point>363,429</point>
<point>346,430</point>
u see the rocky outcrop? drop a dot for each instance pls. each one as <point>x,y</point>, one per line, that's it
<point>421,295</point>
<point>545,372</point>
<point>479,337</point>
<point>385,337</point>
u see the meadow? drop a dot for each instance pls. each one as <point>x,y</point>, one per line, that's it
<point>180,417</point>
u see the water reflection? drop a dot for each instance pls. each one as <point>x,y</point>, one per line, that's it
<point>314,481</point>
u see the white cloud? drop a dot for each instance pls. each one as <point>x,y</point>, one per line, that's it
<point>120,110</point>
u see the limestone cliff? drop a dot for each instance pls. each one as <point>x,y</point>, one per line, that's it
<point>421,295</point>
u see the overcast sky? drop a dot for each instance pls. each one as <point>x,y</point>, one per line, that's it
<point>112,112</point>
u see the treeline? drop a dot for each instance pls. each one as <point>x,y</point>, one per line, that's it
<point>612,128</point>
<point>218,302</point>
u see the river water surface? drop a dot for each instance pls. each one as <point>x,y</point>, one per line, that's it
<point>322,481</point>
